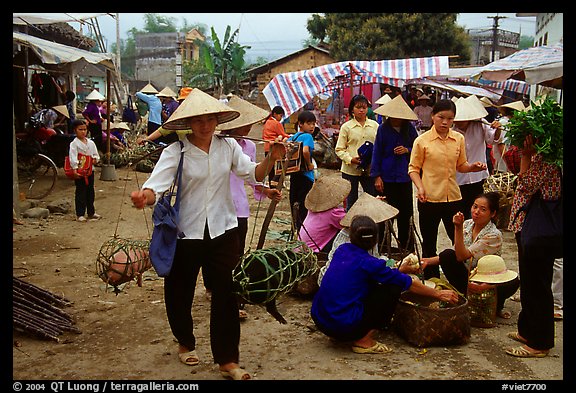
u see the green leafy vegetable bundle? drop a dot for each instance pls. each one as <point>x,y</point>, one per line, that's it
<point>545,121</point>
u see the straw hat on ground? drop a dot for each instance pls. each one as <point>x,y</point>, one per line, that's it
<point>95,95</point>
<point>249,114</point>
<point>469,108</point>
<point>196,104</point>
<point>492,269</point>
<point>327,192</point>
<point>367,205</point>
<point>397,108</point>
<point>383,100</point>
<point>184,91</point>
<point>149,89</point>
<point>166,92</point>
<point>62,110</point>
<point>517,105</point>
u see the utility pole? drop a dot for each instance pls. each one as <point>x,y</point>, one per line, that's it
<point>495,34</point>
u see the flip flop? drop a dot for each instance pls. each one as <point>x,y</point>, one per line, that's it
<point>521,352</point>
<point>242,314</point>
<point>376,348</point>
<point>504,314</point>
<point>237,374</point>
<point>516,337</point>
<point>189,358</point>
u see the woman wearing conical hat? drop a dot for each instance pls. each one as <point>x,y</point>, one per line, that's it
<point>92,115</point>
<point>324,203</point>
<point>390,158</point>
<point>468,122</point>
<point>207,218</point>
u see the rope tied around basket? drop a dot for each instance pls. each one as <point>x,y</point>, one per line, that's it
<point>263,274</point>
<point>121,260</point>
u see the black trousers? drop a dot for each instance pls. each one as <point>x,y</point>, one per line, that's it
<point>457,274</point>
<point>367,184</point>
<point>84,196</point>
<point>536,319</point>
<point>430,215</point>
<point>399,195</point>
<point>217,257</point>
<point>300,185</point>
<point>469,193</point>
<point>379,307</point>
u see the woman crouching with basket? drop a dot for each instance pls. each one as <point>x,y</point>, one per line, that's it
<point>359,293</point>
<point>473,239</point>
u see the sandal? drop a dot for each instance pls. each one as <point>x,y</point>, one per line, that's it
<point>189,358</point>
<point>521,352</point>
<point>242,314</point>
<point>376,348</point>
<point>504,314</point>
<point>237,374</point>
<point>517,337</point>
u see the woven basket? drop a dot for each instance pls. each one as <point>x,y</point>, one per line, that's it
<point>425,326</point>
<point>483,308</point>
<point>505,185</point>
<point>309,285</point>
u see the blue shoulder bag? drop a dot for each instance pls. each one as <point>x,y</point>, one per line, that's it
<point>166,232</point>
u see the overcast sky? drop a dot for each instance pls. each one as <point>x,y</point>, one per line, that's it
<point>274,35</point>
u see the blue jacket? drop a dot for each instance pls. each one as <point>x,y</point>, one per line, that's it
<point>392,168</point>
<point>339,303</point>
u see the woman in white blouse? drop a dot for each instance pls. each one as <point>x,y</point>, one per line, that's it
<point>207,217</point>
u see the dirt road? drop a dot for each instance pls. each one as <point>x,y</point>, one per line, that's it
<point>127,337</point>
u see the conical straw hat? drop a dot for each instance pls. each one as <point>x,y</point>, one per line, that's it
<point>121,125</point>
<point>327,192</point>
<point>492,269</point>
<point>486,102</point>
<point>469,108</point>
<point>62,110</point>
<point>517,105</point>
<point>397,108</point>
<point>367,205</point>
<point>199,103</point>
<point>249,114</point>
<point>383,100</point>
<point>95,95</point>
<point>149,89</point>
<point>166,92</point>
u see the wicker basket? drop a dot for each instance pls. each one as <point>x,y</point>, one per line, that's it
<point>425,326</point>
<point>505,185</point>
<point>483,308</point>
<point>309,285</point>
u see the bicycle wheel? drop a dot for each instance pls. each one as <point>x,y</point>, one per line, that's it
<point>37,176</point>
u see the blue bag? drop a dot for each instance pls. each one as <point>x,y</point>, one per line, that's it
<point>365,154</point>
<point>166,232</point>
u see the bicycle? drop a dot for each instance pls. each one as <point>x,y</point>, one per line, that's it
<point>37,173</point>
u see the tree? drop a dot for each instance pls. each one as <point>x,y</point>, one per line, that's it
<point>224,60</point>
<point>377,36</point>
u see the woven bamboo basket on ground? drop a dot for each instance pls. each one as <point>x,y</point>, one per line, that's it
<point>483,308</point>
<point>425,326</point>
<point>309,285</point>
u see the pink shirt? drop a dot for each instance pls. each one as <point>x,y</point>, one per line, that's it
<point>237,185</point>
<point>321,227</point>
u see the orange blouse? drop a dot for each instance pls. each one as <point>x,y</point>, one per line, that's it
<point>272,128</point>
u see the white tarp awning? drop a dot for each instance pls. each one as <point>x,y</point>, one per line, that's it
<point>54,53</point>
<point>540,65</point>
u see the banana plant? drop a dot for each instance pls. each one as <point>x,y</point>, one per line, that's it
<point>224,60</point>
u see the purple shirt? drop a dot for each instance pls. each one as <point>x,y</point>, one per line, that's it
<point>321,227</point>
<point>92,112</point>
